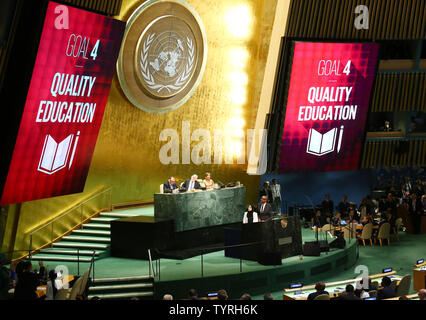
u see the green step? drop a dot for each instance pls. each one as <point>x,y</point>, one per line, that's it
<point>68,258</point>
<point>105,226</point>
<point>104,220</point>
<point>117,215</point>
<point>123,279</point>
<point>87,238</point>
<point>121,287</point>
<point>92,232</point>
<point>72,252</point>
<point>127,295</point>
<point>83,245</point>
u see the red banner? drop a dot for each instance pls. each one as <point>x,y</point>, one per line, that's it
<point>327,106</point>
<point>65,104</point>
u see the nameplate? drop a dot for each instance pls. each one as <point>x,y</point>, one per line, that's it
<point>286,240</point>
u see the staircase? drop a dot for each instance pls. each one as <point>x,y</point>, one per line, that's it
<point>93,236</point>
<point>141,287</point>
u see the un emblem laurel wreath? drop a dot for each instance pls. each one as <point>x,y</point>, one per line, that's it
<point>149,79</point>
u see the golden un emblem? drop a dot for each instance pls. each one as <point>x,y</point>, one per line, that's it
<point>163,55</point>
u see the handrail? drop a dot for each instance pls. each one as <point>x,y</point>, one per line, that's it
<point>151,267</point>
<point>69,210</point>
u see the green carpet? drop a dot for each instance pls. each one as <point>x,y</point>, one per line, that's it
<point>400,255</point>
<point>143,211</point>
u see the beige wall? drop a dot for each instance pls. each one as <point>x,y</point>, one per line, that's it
<point>126,154</point>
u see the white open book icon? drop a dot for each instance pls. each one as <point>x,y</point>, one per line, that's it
<point>321,144</point>
<point>54,156</point>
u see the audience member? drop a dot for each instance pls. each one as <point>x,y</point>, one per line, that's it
<point>222,295</point>
<point>349,293</point>
<point>167,297</point>
<point>26,286</point>
<point>320,289</point>
<point>51,288</point>
<point>337,219</point>
<point>422,294</point>
<point>193,295</point>
<point>319,219</point>
<point>4,278</point>
<point>415,209</point>
<point>245,296</point>
<point>327,206</point>
<point>268,296</point>
<point>386,291</point>
<point>352,216</point>
<point>343,205</point>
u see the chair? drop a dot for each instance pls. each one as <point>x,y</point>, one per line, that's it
<point>384,233</point>
<point>62,294</point>
<point>372,293</point>
<point>404,286</point>
<point>322,297</point>
<point>367,233</point>
<point>326,228</point>
<point>75,289</point>
<point>81,292</point>
<point>398,225</point>
<point>161,188</point>
<point>350,231</point>
<point>70,294</point>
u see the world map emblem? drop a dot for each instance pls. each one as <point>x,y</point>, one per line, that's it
<point>163,55</point>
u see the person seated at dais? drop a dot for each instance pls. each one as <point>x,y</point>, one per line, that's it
<point>192,184</point>
<point>208,181</point>
<point>170,185</point>
<point>250,216</point>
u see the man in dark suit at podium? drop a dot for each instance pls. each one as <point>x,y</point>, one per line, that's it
<point>265,209</point>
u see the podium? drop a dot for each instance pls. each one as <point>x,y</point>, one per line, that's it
<point>270,241</point>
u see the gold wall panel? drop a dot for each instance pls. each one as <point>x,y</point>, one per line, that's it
<point>126,156</point>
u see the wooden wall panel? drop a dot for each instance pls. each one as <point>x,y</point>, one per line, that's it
<point>384,154</point>
<point>106,7</point>
<point>389,19</point>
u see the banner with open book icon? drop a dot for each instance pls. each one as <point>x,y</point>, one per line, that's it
<point>65,104</point>
<point>327,106</point>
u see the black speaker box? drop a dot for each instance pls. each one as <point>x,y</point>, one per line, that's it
<point>311,249</point>
<point>270,259</point>
<point>339,243</point>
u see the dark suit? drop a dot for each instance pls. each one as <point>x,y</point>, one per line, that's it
<point>26,286</point>
<point>386,293</point>
<point>186,184</point>
<point>265,211</point>
<point>167,187</point>
<point>327,207</point>
<point>313,295</point>
<point>416,212</point>
<point>349,296</point>
<point>343,207</point>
